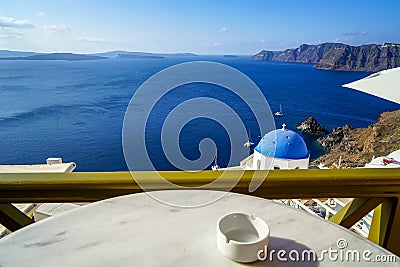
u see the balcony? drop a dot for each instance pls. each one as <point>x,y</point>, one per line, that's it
<point>372,189</point>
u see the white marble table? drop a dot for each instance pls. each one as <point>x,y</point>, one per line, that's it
<point>136,230</point>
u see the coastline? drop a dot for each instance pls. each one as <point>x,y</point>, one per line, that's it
<point>358,146</point>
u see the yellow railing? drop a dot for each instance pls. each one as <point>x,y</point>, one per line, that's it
<point>377,189</point>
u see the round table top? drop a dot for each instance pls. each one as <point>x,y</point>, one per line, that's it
<point>136,230</point>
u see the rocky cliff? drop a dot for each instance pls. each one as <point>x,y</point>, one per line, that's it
<point>358,146</point>
<point>337,56</point>
<point>312,127</point>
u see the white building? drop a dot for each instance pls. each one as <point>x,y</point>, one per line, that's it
<point>279,149</point>
<point>390,161</point>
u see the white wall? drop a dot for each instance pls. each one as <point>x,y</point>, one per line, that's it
<point>261,162</point>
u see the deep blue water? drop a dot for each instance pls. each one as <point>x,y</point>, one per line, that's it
<point>75,110</point>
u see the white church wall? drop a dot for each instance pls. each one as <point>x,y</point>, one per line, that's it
<point>261,162</point>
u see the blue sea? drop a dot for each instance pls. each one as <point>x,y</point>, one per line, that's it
<point>75,109</point>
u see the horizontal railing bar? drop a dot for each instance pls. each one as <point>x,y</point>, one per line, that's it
<point>92,186</point>
<point>348,176</point>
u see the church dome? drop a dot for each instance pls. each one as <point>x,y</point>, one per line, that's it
<point>283,144</point>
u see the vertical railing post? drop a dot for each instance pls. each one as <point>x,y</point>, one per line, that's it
<point>355,210</point>
<point>385,227</point>
<point>13,218</point>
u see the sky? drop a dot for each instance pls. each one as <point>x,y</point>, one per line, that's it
<point>201,27</point>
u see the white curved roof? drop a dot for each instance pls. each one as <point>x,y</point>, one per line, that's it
<point>384,84</point>
<point>395,155</point>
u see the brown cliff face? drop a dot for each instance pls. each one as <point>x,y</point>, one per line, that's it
<point>303,54</point>
<point>337,56</point>
<point>358,146</point>
<point>372,58</point>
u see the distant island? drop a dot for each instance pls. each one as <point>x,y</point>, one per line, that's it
<point>127,54</point>
<point>138,56</point>
<point>119,54</point>
<point>55,56</point>
<point>9,53</point>
<point>339,57</point>
<point>231,56</point>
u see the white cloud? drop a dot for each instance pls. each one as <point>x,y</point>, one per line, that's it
<point>40,14</point>
<point>223,29</point>
<point>10,33</point>
<point>354,38</point>
<point>54,28</point>
<point>121,42</point>
<point>92,40</point>
<point>14,23</point>
<point>217,44</point>
<point>362,33</point>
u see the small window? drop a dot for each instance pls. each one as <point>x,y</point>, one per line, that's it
<point>258,164</point>
<point>277,168</point>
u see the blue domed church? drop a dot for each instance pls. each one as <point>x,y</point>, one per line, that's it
<point>279,149</point>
